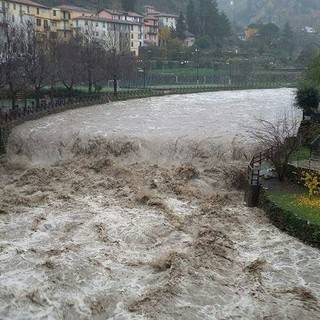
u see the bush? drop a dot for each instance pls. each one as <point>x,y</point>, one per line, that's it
<point>307,97</point>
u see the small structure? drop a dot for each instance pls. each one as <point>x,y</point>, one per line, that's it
<point>190,39</point>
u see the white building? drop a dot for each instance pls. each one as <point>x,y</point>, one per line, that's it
<point>112,33</point>
<point>136,26</point>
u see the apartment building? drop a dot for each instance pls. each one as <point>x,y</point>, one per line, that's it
<point>151,31</point>
<point>127,29</point>
<point>111,33</point>
<point>136,26</point>
<point>29,13</point>
<point>66,15</point>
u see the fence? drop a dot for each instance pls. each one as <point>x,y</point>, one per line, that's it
<point>253,177</point>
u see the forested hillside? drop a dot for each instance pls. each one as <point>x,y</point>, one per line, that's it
<point>298,12</point>
<point>170,6</point>
<point>243,12</point>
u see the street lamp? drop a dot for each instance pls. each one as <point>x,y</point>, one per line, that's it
<point>197,61</point>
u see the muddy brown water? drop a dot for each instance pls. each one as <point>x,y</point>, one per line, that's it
<point>132,210</point>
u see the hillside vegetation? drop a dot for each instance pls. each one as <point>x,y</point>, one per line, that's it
<point>298,13</point>
<point>243,12</point>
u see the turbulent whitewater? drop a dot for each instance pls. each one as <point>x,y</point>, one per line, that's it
<point>134,210</point>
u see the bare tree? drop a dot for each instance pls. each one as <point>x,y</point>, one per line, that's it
<point>280,136</point>
<point>120,62</point>
<point>92,57</point>
<point>11,62</point>
<point>36,64</point>
<point>69,67</point>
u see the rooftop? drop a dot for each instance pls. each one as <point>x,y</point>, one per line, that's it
<point>30,3</point>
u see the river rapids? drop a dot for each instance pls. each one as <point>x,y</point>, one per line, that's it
<point>134,210</point>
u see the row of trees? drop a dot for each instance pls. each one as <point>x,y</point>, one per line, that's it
<point>29,61</point>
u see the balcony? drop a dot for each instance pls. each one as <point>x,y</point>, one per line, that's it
<point>152,31</point>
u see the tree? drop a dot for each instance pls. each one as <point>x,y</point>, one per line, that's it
<point>313,70</point>
<point>191,18</point>
<point>269,32</point>
<point>208,17</point>
<point>128,5</point>
<point>307,97</point>
<point>181,27</point>
<point>281,136</point>
<point>36,65</point>
<point>212,23</point>
<point>287,37</point>
<point>69,66</point>
<point>91,54</point>
<point>12,51</point>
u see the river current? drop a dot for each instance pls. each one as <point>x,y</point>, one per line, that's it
<point>134,210</point>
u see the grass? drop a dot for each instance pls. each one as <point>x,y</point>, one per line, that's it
<point>291,201</point>
<point>300,154</point>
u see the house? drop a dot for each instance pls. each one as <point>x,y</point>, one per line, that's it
<point>251,32</point>
<point>151,31</point>
<point>149,10</point>
<point>166,20</point>
<point>309,30</point>
<point>190,39</point>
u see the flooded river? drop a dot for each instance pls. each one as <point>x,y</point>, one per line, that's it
<point>134,210</point>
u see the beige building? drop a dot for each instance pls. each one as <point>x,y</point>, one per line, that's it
<point>26,12</point>
<point>67,14</point>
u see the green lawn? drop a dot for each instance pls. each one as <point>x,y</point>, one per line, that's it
<point>300,154</point>
<point>289,200</point>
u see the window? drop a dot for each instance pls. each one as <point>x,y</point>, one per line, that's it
<point>131,28</point>
<point>14,6</point>
<point>38,11</point>
<point>86,23</point>
<point>54,13</point>
<point>45,23</point>
<point>97,24</point>
<point>12,18</point>
<point>104,24</point>
<point>38,22</point>
<point>28,9</point>
<point>131,44</point>
<point>132,36</point>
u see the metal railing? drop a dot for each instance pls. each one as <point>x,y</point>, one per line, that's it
<point>254,166</point>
